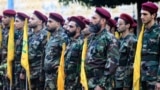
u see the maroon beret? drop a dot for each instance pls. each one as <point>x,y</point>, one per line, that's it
<point>81,17</point>
<point>134,25</point>
<point>22,16</point>
<point>87,21</point>
<point>79,21</point>
<point>126,18</point>
<point>46,19</point>
<point>149,6</point>
<point>112,23</point>
<point>39,15</point>
<point>57,17</point>
<point>9,12</point>
<point>103,13</point>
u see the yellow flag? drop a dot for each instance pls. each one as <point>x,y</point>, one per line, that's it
<point>137,62</point>
<point>24,57</point>
<point>61,74</point>
<point>117,35</point>
<point>0,36</point>
<point>48,35</point>
<point>83,73</point>
<point>10,54</point>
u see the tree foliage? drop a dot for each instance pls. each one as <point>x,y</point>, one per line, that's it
<point>109,3</point>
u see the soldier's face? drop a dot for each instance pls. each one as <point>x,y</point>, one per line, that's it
<point>95,19</point>
<point>6,20</point>
<point>33,21</point>
<point>121,26</point>
<point>86,30</point>
<point>71,29</point>
<point>95,25</point>
<point>51,25</point>
<point>65,25</point>
<point>146,17</point>
<point>18,24</point>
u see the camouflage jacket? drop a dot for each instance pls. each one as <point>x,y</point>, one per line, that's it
<point>18,45</point>
<point>102,56</point>
<point>53,51</point>
<point>127,50</point>
<point>150,69</point>
<point>73,58</point>
<point>5,32</point>
<point>127,53</point>
<point>37,41</point>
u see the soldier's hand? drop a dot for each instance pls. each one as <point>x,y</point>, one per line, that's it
<point>22,76</point>
<point>157,87</point>
<point>98,88</point>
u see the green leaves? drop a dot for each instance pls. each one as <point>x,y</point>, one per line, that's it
<point>98,3</point>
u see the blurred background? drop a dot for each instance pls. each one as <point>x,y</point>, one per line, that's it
<point>68,8</point>
<point>78,7</point>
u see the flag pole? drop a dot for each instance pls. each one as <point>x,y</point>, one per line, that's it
<point>26,82</point>
<point>10,88</point>
<point>10,4</point>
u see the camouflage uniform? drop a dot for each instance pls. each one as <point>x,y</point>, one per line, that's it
<point>150,70</point>
<point>3,65</point>
<point>16,63</point>
<point>1,72</point>
<point>124,72</point>
<point>102,60</point>
<point>37,41</point>
<point>17,68</point>
<point>5,32</point>
<point>72,64</point>
<point>52,57</point>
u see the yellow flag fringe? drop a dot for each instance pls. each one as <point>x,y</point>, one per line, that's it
<point>117,35</point>
<point>48,35</point>
<point>83,73</point>
<point>10,54</point>
<point>61,74</point>
<point>137,62</point>
<point>24,57</point>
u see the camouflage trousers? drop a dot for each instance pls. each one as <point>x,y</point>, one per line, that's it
<point>96,77</point>
<point>125,83</point>
<point>123,77</point>
<point>16,76</point>
<point>72,83</point>
<point>149,72</point>
<point>50,81</point>
<point>3,80</point>
<point>36,84</point>
<point>104,82</point>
